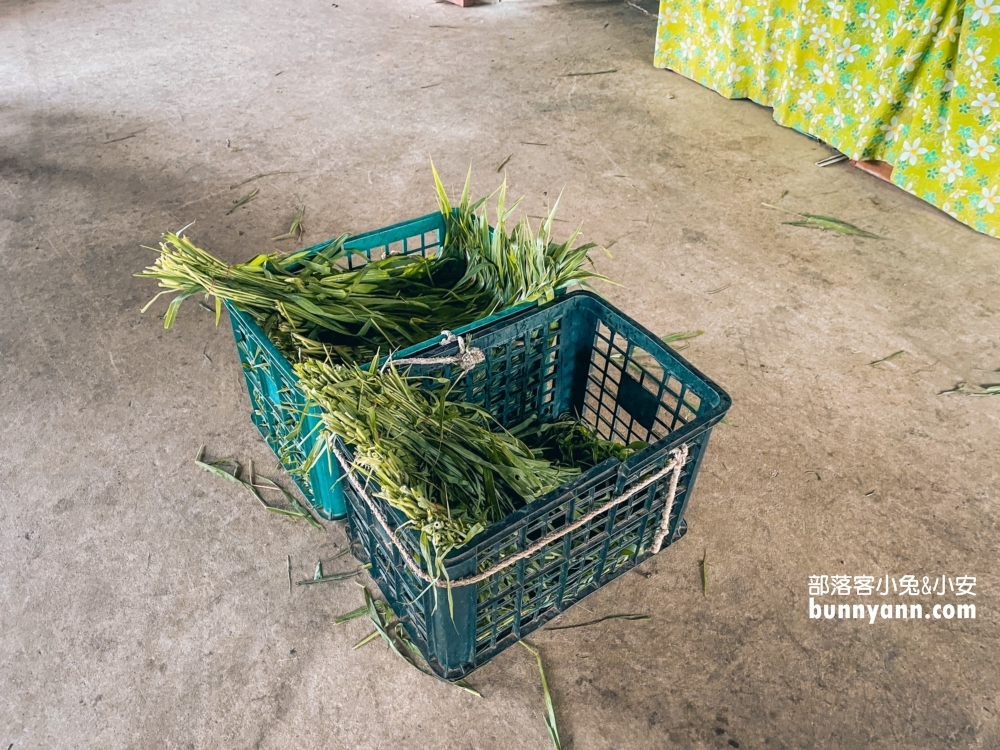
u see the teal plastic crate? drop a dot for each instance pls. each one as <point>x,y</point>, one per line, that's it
<point>277,404</point>
<point>577,354</point>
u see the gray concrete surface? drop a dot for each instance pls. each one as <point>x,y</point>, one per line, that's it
<point>144,604</point>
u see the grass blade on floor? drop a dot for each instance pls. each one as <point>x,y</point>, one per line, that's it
<point>354,614</point>
<point>628,617</point>
<point>825,223</point>
<point>550,714</point>
<point>244,200</point>
<point>230,470</point>
<point>391,630</point>
<point>331,578</point>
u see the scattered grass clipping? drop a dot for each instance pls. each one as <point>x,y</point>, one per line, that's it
<point>962,388</point>
<point>230,470</point>
<point>825,223</point>
<point>391,630</point>
<point>354,614</point>
<point>704,574</point>
<point>550,714</point>
<point>318,576</point>
<point>296,230</point>
<point>681,338</point>
<point>888,358</point>
<point>628,617</point>
<point>243,201</point>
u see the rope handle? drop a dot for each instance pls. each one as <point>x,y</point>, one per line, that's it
<point>467,357</point>
<point>673,467</point>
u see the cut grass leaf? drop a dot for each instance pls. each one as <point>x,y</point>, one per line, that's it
<point>330,578</point>
<point>354,614</point>
<point>961,387</point>
<point>337,556</point>
<point>704,574</point>
<point>300,509</point>
<point>830,224</point>
<point>629,617</point>
<point>244,200</point>
<point>366,640</point>
<point>825,223</point>
<point>989,389</point>
<point>637,7</point>
<point>255,177</point>
<point>591,73</point>
<point>393,633</point>
<point>297,507</point>
<point>957,388</point>
<point>680,336</point>
<point>550,714</point>
<point>230,470</point>
<point>892,356</point>
<point>295,231</point>
<point>219,468</point>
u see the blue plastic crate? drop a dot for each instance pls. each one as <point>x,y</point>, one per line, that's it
<point>577,354</point>
<point>277,404</point>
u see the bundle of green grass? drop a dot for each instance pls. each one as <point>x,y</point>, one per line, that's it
<point>312,306</point>
<point>445,463</point>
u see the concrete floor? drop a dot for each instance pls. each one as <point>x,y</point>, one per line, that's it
<point>145,604</point>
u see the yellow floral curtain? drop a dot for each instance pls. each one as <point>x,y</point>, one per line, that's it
<point>913,83</point>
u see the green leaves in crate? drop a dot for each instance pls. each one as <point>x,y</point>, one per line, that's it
<point>312,304</point>
<point>308,304</point>
<point>521,266</point>
<point>570,442</point>
<point>445,464</point>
